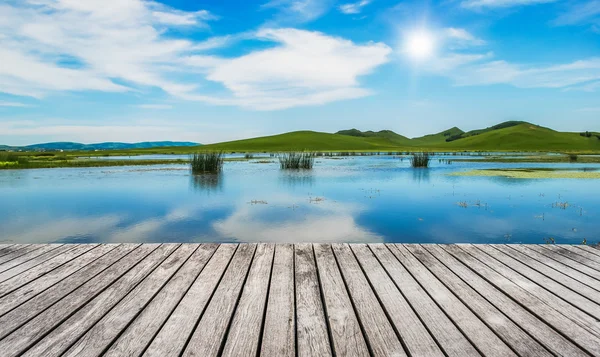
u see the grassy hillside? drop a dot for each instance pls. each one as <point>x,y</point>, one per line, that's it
<point>385,134</point>
<point>526,137</point>
<point>309,140</point>
<point>436,139</point>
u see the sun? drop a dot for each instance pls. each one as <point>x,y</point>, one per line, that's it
<point>419,44</point>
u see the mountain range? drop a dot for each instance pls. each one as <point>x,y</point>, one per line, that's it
<point>54,146</point>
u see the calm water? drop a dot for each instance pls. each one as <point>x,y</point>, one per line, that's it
<point>356,199</point>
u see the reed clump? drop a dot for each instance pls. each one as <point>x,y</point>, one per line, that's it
<point>420,159</point>
<point>297,160</point>
<point>203,162</point>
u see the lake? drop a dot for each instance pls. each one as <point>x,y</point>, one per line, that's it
<point>349,199</point>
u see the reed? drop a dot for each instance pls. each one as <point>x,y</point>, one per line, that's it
<point>420,159</point>
<point>296,160</point>
<point>206,162</point>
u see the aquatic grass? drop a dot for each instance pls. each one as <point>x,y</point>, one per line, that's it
<point>420,160</point>
<point>248,156</point>
<point>296,160</point>
<point>541,173</point>
<point>203,162</point>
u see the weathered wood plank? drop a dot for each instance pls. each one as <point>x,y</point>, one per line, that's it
<point>550,272</point>
<point>112,321</point>
<point>244,333</point>
<point>69,331</point>
<point>20,340</point>
<point>207,340</point>
<point>312,331</point>
<point>19,278</point>
<point>173,336</point>
<point>442,329</point>
<point>25,312</point>
<point>526,320</point>
<point>23,255</point>
<point>559,290</point>
<point>9,248</point>
<point>546,306</point>
<point>280,324</point>
<point>570,262</point>
<point>379,332</point>
<point>346,333</point>
<point>592,264</point>
<point>16,250</point>
<point>589,249</point>
<point>138,335</point>
<point>533,253</point>
<point>454,296</point>
<point>588,253</point>
<point>26,292</point>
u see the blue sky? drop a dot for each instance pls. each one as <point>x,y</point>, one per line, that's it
<point>209,71</point>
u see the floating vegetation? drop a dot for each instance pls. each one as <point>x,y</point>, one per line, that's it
<point>206,162</point>
<point>316,199</point>
<point>297,160</point>
<point>532,173</point>
<point>463,204</point>
<point>258,202</point>
<point>263,162</point>
<point>561,205</point>
<point>550,240</point>
<point>248,156</point>
<point>420,159</point>
<point>573,157</point>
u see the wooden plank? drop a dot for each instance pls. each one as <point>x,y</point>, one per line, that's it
<point>244,333</point>
<point>312,331</point>
<point>207,340</point>
<point>379,332</point>
<point>527,321</point>
<point>530,251</point>
<point>442,329</point>
<point>592,264</point>
<point>484,325</point>
<point>138,335</point>
<point>546,306</point>
<point>583,252</point>
<point>111,322</point>
<point>26,292</point>
<point>19,278</point>
<point>570,262</point>
<point>173,336</point>
<point>32,259</point>
<point>69,331</point>
<point>20,340</point>
<point>550,272</point>
<point>9,248</point>
<point>551,285</point>
<point>14,251</point>
<point>24,254</point>
<point>280,324</point>
<point>25,312</point>
<point>587,248</point>
<point>346,334</point>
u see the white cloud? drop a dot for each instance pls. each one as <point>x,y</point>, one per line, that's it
<point>354,8</point>
<point>462,37</point>
<point>67,45</point>
<point>580,13</point>
<point>587,87</point>
<point>12,104</point>
<point>298,11</point>
<point>155,106</point>
<point>478,4</point>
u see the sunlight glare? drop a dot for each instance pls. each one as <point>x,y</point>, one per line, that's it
<point>419,44</point>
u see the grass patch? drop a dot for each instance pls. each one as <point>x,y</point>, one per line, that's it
<point>211,162</point>
<point>420,159</point>
<point>296,160</point>
<point>532,173</point>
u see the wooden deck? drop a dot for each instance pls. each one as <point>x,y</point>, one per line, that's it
<point>299,300</point>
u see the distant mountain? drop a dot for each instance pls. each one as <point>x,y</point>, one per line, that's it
<point>439,138</point>
<point>99,146</point>
<point>506,124</point>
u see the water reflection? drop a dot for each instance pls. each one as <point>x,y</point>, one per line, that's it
<point>207,182</point>
<point>297,178</point>
<point>420,175</point>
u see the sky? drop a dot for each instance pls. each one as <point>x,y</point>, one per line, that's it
<point>217,70</point>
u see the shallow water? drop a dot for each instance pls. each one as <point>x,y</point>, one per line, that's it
<point>354,199</point>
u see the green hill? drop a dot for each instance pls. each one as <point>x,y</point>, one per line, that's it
<point>385,134</point>
<point>300,140</point>
<point>437,139</point>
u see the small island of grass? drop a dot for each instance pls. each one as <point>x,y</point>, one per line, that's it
<point>533,173</point>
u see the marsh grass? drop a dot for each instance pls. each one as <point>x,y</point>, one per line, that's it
<point>248,156</point>
<point>206,162</point>
<point>420,159</point>
<point>296,160</point>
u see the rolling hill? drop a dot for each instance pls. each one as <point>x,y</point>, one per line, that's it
<point>507,136</point>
